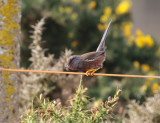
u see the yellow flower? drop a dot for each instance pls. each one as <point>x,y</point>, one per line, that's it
<point>140,39</point>
<point>140,42</point>
<point>107,11</point>
<point>123,7</point>
<point>143,40</point>
<point>103,18</point>
<point>149,41</point>
<point>74,16</point>
<point>145,68</point>
<point>136,64</point>
<point>100,27</point>
<point>105,25</point>
<point>106,15</point>
<point>92,5</point>
<point>74,43</point>
<point>77,1</point>
<point>155,87</point>
<point>139,32</point>
<point>70,34</point>
<point>127,29</point>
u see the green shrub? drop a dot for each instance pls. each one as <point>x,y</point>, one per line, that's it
<point>79,110</point>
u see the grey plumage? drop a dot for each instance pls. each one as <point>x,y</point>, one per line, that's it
<point>102,46</point>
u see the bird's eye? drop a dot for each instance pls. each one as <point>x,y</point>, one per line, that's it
<point>72,62</point>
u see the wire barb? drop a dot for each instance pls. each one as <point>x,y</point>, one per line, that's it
<point>78,73</point>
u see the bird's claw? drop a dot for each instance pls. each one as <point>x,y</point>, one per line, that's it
<point>88,73</point>
<point>91,72</point>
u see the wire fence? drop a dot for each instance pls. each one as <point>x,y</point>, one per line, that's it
<point>78,73</point>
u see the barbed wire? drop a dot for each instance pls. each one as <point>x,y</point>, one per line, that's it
<point>78,73</point>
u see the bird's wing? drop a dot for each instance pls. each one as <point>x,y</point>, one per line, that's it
<point>91,56</point>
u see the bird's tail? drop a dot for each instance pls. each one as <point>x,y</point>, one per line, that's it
<point>102,46</point>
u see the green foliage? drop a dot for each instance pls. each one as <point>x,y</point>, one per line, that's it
<point>80,109</point>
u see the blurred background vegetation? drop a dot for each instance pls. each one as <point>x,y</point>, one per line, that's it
<point>79,25</point>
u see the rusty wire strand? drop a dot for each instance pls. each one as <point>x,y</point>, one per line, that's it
<point>78,73</point>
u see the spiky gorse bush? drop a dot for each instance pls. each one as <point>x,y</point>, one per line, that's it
<point>148,112</point>
<point>35,83</point>
<point>80,109</point>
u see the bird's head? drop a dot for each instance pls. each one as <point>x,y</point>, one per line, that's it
<point>73,62</point>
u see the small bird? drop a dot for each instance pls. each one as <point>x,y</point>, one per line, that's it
<point>92,61</point>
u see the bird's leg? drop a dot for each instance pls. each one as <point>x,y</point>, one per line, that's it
<point>88,72</point>
<point>94,70</point>
<point>91,72</point>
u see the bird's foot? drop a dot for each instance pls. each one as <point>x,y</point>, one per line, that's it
<point>91,72</point>
<point>88,73</point>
